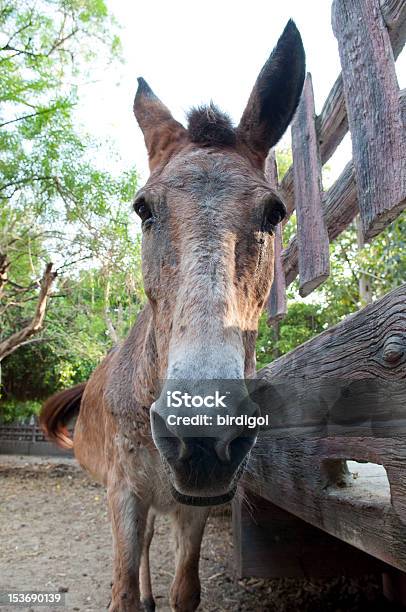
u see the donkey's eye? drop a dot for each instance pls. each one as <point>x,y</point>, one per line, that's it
<point>275,212</point>
<point>143,210</point>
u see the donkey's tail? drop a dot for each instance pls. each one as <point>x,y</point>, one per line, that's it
<point>57,411</point>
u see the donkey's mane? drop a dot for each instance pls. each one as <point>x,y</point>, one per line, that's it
<point>209,126</point>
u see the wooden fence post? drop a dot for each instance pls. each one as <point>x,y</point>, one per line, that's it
<point>276,305</point>
<point>374,112</point>
<point>313,243</point>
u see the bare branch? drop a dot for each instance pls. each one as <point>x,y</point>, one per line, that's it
<point>4,266</point>
<point>12,343</point>
<point>34,341</point>
<point>23,27</point>
<point>41,112</point>
<point>60,42</point>
<point>21,51</point>
<point>29,179</point>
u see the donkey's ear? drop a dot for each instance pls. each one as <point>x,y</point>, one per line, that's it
<point>276,94</point>
<point>162,133</point>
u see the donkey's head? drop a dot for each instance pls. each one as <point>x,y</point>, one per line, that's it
<point>208,216</point>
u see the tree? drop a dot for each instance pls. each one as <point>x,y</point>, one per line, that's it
<point>44,165</point>
<point>57,204</point>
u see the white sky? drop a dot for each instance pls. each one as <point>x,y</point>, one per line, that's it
<point>192,52</point>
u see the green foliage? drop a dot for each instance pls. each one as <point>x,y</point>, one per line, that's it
<point>283,161</point>
<point>56,203</point>
<point>302,322</point>
<point>18,411</point>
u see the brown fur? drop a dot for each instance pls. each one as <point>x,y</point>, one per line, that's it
<point>207,269</point>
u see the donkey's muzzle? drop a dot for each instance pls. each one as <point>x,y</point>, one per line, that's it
<point>205,450</point>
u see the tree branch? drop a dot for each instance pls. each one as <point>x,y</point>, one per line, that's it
<point>26,180</point>
<point>12,343</point>
<point>4,266</point>
<point>60,42</point>
<point>41,112</point>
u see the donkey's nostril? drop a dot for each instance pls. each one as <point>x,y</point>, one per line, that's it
<point>185,451</point>
<point>240,447</point>
<point>234,450</point>
<point>222,448</point>
<point>169,445</point>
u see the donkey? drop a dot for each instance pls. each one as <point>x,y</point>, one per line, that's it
<point>208,217</point>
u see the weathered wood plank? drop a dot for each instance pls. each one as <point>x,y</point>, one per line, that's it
<point>355,348</point>
<point>276,305</point>
<point>272,543</point>
<point>394,15</point>
<point>374,115</point>
<point>303,472</point>
<point>340,206</point>
<point>313,244</point>
<point>339,209</point>
<point>291,475</point>
<point>277,302</point>
<point>332,123</point>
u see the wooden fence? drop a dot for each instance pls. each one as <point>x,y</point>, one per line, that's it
<point>365,98</point>
<point>307,475</point>
<point>27,439</point>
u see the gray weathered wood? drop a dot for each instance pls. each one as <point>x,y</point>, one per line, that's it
<point>340,207</point>
<point>277,302</point>
<point>374,114</point>
<point>394,15</point>
<point>332,123</point>
<point>272,543</point>
<point>313,244</point>
<point>276,305</point>
<point>353,348</point>
<point>304,473</point>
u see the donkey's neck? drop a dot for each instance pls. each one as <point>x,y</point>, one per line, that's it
<point>145,362</point>
<point>132,384</point>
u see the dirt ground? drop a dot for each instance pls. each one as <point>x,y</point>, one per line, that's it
<point>54,535</point>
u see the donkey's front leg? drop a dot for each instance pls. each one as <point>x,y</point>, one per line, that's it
<point>188,523</point>
<point>128,517</point>
<point>147,598</point>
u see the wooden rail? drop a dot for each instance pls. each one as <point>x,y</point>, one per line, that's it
<point>340,398</point>
<point>27,439</point>
<point>304,471</point>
